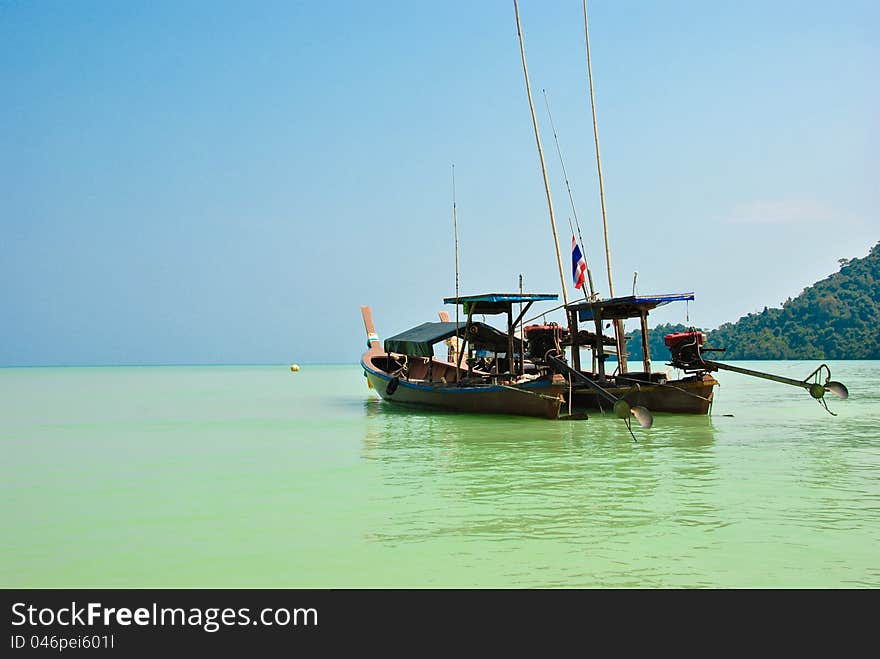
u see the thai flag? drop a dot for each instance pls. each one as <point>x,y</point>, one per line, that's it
<point>578,264</point>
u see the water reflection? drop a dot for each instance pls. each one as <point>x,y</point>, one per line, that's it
<point>471,477</point>
<point>770,491</point>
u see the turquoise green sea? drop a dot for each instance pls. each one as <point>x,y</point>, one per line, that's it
<point>256,476</point>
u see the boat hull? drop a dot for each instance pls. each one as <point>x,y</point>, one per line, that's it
<point>538,398</point>
<point>688,396</point>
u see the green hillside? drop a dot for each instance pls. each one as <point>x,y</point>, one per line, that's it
<point>836,318</point>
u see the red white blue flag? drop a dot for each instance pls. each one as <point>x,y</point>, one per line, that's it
<point>578,264</point>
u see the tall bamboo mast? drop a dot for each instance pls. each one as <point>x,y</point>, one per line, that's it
<point>455,232</point>
<point>522,51</point>
<point>618,325</point>
<point>571,199</point>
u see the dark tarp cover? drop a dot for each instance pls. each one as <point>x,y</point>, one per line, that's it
<point>419,341</point>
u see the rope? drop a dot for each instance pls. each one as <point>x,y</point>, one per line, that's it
<point>530,393</point>
<point>544,313</point>
<point>671,386</point>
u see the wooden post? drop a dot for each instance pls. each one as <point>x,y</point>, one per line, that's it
<point>646,349</point>
<point>600,347</point>
<point>465,342</point>
<point>510,364</point>
<point>575,344</point>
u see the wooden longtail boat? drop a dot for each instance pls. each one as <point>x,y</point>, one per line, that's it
<point>530,375</point>
<point>655,390</point>
<point>643,391</point>
<point>594,389</point>
<point>493,379</point>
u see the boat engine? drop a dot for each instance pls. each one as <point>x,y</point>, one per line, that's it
<point>687,354</point>
<point>686,348</point>
<point>542,339</point>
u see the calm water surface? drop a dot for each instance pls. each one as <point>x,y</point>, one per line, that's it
<point>253,476</point>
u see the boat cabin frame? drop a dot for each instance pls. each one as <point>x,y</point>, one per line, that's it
<point>494,304</point>
<point>616,308</point>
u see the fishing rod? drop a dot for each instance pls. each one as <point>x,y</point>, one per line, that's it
<point>571,200</point>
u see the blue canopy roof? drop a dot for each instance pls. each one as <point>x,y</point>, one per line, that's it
<point>490,303</point>
<point>503,297</point>
<point>631,306</point>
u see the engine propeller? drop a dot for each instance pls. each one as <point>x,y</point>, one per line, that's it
<point>811,383</point>
<point>837,388</point>
<point>643,415</point>
<point>622,409</point>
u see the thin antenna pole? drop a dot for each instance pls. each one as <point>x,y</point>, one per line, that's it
<point>522,335</point>
<point>522,51</point>
<point>455,233</point>
<point>598,156</point>
<point>570,199</point>
<point>618,325</point>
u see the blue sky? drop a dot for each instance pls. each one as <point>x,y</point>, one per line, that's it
<point>227,182</point>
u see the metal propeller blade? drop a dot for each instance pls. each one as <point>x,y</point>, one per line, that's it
<point>837,388</point>
<point>643,416</point>
<point>624,410</point>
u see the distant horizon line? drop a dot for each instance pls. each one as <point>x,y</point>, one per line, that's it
<point>321,363</point>
<point>159,364</point>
